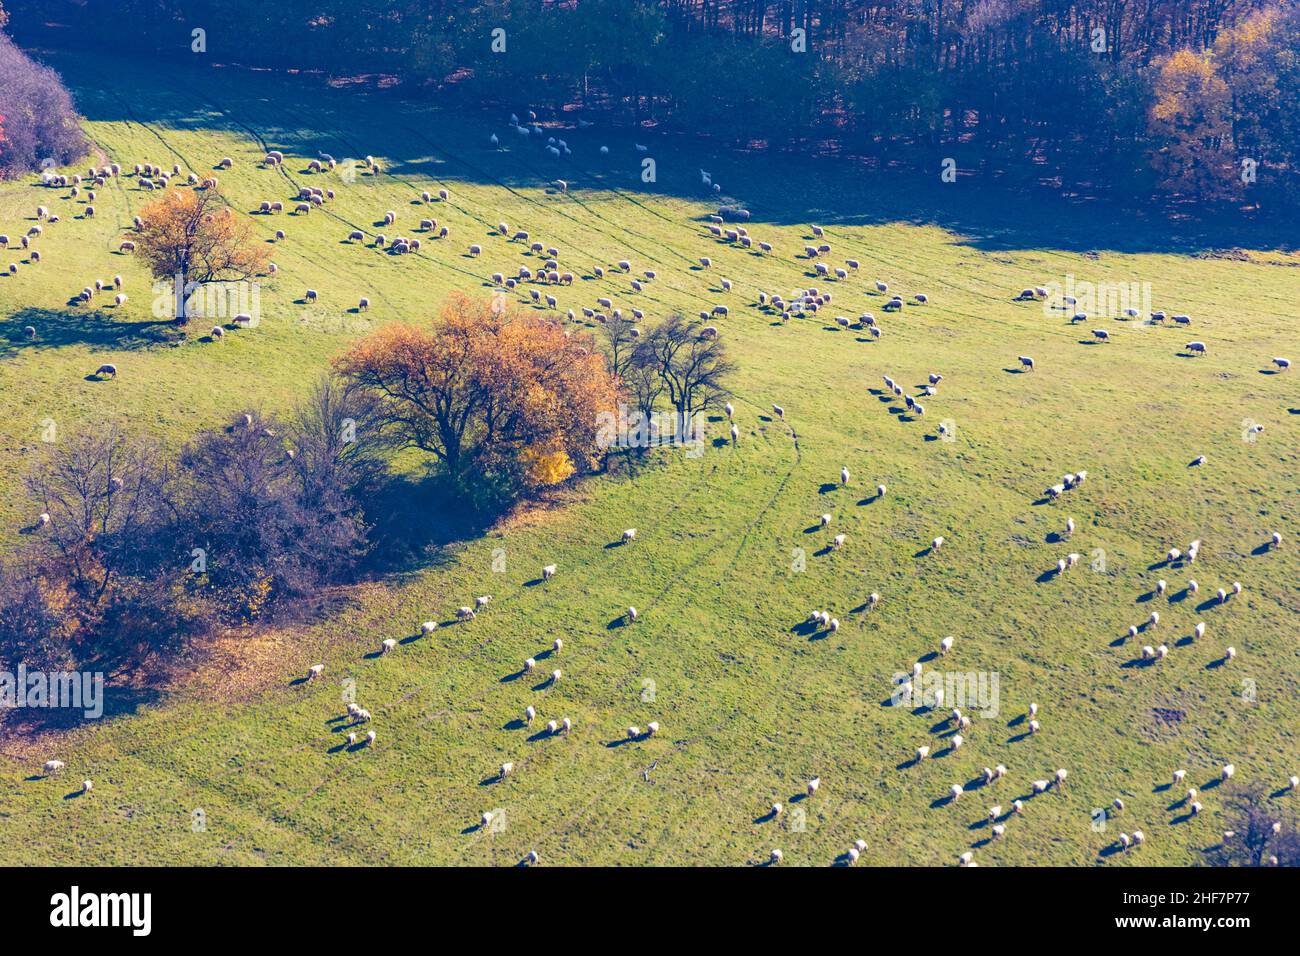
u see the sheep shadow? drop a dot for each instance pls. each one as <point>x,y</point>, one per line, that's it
<point>74,794</point>
<point>1207,604</point>
<point>1262,549</point>
<point>871,500</point>
<point>1180,596</point>
<point>621,621</point>
<point>543,685</point>
<point>1047,575</point>
<point>1181,819</point>
<point>924,552</point>
<point>942,802</point>
<point>1110,850</point>
<point>1137,662</point>
<point>1019,737</point>
<point>621,741</point>
<point>534,582</point>
<point>540,735</point>
<point>511,678</point>
<point>827,487</point>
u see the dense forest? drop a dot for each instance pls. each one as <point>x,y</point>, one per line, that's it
<point>1199,99</point>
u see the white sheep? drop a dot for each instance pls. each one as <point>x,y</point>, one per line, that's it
<point>556,675</point>
<point>53,767</point>
<point>776,856</point>
<point>387,645</point>
<point>316,670</point>
<point>629,535</point>
<point>838,541</point>
<point>557,645</point>
<point>955,792</point>
<point>529,664</point>
<point>631,614</point>
<point>530,714</point>
<point>945,645</point>
<point>937,543</point>
<point>1228,771</point>
<point>548,572</point>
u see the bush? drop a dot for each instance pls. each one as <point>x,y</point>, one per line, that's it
<point>40,122</point>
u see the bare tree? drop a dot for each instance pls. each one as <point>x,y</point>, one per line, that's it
<point>690,364</point>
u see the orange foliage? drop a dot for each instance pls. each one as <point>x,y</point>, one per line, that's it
<point>193,234</point>
<point>481,388</point>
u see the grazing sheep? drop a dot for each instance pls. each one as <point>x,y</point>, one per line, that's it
<point>1282,364</point>
<point>119,299</point>
<point>507,769</point>
<point>310,295</point>
<point>957,741</point>
<point>1026,361</point>
<point>1199,630</point>
<point>776,856</point>
<point>955,792</point>
<point>1196,348</point>
<point>629,535</point>
<point>1276,538</point>
<point>53,767</point>
<point>1039,786</point>
<point>1034,727</point>
<point>530,664</point>
<point>530,713</point>
<point>316,670</point>
<point>548,572</point>
<point>1148,653</point>
<point>218,332</point>
<point>814,785</point>
<point>937,543</point>
<point>557,645</point>
<point>106,369</point>
<point>966,859</point>
<point>1229,654</point>
<point>387,645</point>
<point>631,614</point>
<point>922,753</point>
<point>945,645</point>
<point>880,491</point>
<point>1227,772</point>
<point>556,675</point>
<point>825,520</point>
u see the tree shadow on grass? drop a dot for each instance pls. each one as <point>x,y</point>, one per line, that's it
<point>70,327</point>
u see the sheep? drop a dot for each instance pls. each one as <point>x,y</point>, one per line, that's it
<point>1236,587</point>
<point>310,295</point>
<point>1196,348</point>
<point>566,725</point>
<point>557,645</point>
<point>631,614</point>
<point>1125,841</point>
<point>444,195</point>
<point>776,856</point>
<point>945,645</point>
<point>530,713</point>
<point>1101,335</point>
<point>1026,361</point>
<point>1000,771</point>
<point>966,859</point>
<point>955,792</point>
<point>548,572</point>
<point>507,769</point>
<point>1276,538</point>
<point>1227,772</point>
<point>53,767</point>
<point>106,369</point>
<point>957,741</point>
<point>530,664</point>
<point>1039,786</point>
<point>825,520</point>
<point>315,671</point>
<point>1034,727</point>
<point>922,753</point>
<point>475,250</point>
<point>1282,364</point>
<point>814,785</point>
<point>937,543</point>
<point>735,433</point>
<point>629,535</point>
<point>1017,806</point>
<point>1148,653</point>
<point>1193,587</point>
<point>387,645</point>
<point>556,675</point>
<point>873,599</point>
<point>120,299</point>
<point>1220,595</point>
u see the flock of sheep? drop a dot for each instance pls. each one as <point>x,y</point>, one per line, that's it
<point>544,278</point>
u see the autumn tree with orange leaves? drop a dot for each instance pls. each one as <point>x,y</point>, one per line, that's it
<point>194,238</point>
<point>494,395</point>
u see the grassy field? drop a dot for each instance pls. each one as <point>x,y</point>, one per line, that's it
<point>751,704</point>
